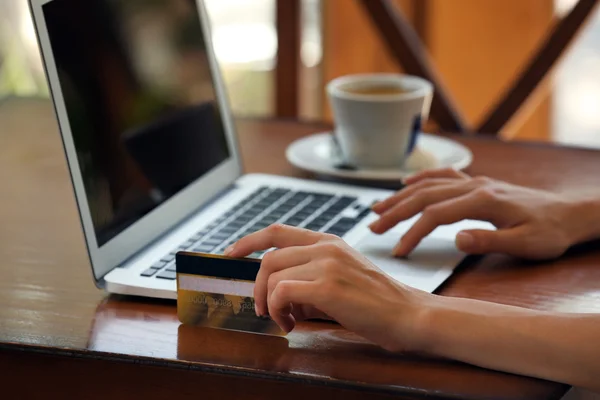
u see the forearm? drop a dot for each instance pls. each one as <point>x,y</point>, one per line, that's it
<point>557,347</point>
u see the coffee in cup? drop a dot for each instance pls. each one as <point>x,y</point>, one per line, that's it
<point>378,117</point>
<point>376,90</point>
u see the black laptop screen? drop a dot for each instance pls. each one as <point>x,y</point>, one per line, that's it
<point>140,102</point>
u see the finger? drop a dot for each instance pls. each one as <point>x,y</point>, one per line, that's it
<point>450,211</point>
<point>391,201</point>
<point>417,203</point>
<point>307,272</point>
<point>305,312</point>
<point>479,241</point>
<point>286,318</point>
<point>435,173</point>
<point>291,292</point>
<point>271,263</point>
<point>276,235</point>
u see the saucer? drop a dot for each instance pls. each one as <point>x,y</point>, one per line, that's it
<point>319,154</point>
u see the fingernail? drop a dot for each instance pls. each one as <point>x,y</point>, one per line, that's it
<point>464,240</point>
<point>375,205</point>
<point>256,311</point>
<point>397,249</point>
<point>229,250</point>
<point>374,225</point>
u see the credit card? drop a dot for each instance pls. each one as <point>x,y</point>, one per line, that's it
<point>217,291</point>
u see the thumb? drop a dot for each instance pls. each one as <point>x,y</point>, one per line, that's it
<point>479,241</point>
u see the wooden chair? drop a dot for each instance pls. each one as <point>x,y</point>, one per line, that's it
<point>405,46</point>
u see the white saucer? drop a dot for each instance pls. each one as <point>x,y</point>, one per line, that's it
<point>318,153</point>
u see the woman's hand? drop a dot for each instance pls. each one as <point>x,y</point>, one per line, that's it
<point>531,223</point>
<point>316,275</point>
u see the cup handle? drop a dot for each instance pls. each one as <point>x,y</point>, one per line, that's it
<point>340,163</point>
<point>416,129</point>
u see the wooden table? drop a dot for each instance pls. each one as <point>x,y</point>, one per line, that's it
<point>60,335</point>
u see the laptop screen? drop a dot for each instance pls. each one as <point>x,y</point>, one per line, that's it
<point>140,101</point>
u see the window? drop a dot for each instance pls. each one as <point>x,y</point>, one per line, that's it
<point>576,114</point>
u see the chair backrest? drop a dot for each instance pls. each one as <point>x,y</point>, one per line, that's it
<point>408,50</point>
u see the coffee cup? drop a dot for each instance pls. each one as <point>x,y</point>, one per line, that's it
<point>378,117</point>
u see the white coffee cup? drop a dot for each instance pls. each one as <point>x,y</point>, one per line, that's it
<point>378,130</point>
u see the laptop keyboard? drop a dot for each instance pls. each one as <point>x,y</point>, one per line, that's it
<point>264,207</point>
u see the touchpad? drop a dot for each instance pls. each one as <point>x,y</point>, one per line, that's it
<point>425,268</point>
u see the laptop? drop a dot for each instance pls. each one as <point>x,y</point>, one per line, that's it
<point>153,155</point>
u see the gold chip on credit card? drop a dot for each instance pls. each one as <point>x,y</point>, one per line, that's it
<point>217,291</point>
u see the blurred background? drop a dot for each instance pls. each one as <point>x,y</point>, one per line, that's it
<point>478,47</point>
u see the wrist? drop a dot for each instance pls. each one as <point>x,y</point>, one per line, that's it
<point>420,328</point>
<point>583,219</point>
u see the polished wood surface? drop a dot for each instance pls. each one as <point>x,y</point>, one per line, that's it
<point>54,324</point>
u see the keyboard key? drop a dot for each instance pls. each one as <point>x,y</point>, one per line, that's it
<point>228,230</point>
<point>320,222</point>
<point>280,192</point>
<point>347,200</point>
<point>344,224</point>
<point>342,203</point>
<point>322,197</point>
<point>336,232</point>
<point>293,221</point>
<point>270,200</point>
<point>204,248</point>
<point>168,258</point>
<point>170,275</point>
<point>294,201</point>
<point>260,190</point>
<point>199,234</point>
<point>158,265</point>
<point>149,272</point>
<point>364,213</point>
<point>187,244</point>
<point>171,268</point>
<point>263,204</point>
<point>235,225</point>
<point>310,208</point>
<point>314,227</point>
<point>302,214</point>
<point>328,215</point>
<point>269,220</point>
<point>220,236</point>
<point>336,209</point>
<point>213,242</point>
